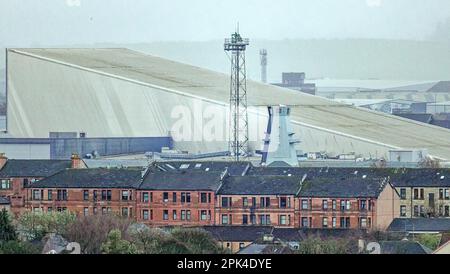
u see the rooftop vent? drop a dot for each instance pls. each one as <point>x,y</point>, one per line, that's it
<point>184,166</point>
<point>143,172</point>
<point>304,177</point>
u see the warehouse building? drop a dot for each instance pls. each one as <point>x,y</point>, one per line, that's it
<point>119,93</point>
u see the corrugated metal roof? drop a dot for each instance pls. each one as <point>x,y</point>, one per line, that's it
<point>369,126</point>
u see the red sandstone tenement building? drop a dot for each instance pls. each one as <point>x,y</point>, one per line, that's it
<point>16,175</point>
<point>87,192</point>
<point>203,197</point>
<point>354,202</point>
<point>170,199</point>
<point>258,200</point>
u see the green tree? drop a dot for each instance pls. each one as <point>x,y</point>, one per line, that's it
<point>169,245</point>
<point>35,225</point>
<point>177,241</point>
<point>146,240</point>
<point>116,245</point>
<point>197,240</point>
<point>18,247</point>
<point>315,245</point>
<point>429,240</point>
<point>7,230</point>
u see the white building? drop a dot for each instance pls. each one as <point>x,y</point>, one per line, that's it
<point>123,93</point>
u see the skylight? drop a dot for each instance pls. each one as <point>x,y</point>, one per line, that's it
<point>184,166</point>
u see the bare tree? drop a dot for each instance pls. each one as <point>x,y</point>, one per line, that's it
<point>380,163</point>
<point>92,231</point>
<point>429,162</point>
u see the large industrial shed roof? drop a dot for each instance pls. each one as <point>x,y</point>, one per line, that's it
<point>316,112</point>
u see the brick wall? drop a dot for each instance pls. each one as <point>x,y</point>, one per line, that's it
<point>387,208</point>
<point>77,202</point>
<point>202,208</point>
<point>336,213</point>
<point>174,208</point>
<point>279,211</point>
<point>16,193</point>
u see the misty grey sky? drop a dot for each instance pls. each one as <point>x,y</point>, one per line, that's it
<point>64,22</point>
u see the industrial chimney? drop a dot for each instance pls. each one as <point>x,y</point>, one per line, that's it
<point>263,56</point>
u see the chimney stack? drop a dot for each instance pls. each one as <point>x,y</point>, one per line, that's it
<point>3,160</point>
<point>76,161</point>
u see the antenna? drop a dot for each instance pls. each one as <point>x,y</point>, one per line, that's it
<point>263,57</point>
<point>238,137</point>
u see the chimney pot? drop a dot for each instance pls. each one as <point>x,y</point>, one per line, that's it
<point>3,160</point>
<point>76,161</point>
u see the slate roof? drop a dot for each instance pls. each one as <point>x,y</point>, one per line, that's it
<point>343,188</point>
<point>234,168</point>
<point>33,168</point>
<point>299,234</point>
<point>420,225</point>
<point>403,247</point>
<point>414,177</point>
<point>253,249</point>
<point>280,171</point>
<point>92,178</point>
<point>238,233</point>
<point>421,178</point>
<point>4,201</point>
<point>159,180</point>
<point>260,185</point>
<point>313,172</point>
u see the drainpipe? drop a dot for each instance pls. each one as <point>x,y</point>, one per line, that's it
<point>411,203</point>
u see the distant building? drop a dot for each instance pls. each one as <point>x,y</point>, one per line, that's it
<point>437,119</point>
<point>391,106</point>
<point>438,107</point>
<point>118,93</point>
<point>408,155</point>
<point>296,81</point>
